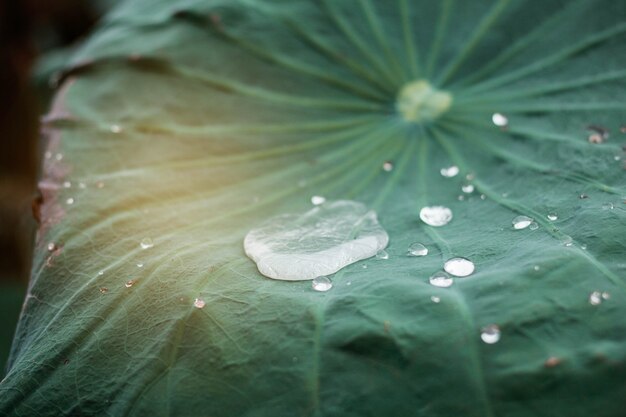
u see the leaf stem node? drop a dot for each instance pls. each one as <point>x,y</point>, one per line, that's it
<point>418,101</point>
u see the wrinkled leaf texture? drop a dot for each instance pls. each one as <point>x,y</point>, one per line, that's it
<point>231,111</point>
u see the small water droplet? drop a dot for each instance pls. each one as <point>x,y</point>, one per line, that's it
<point>364,266</point>
<point>70,201</point>
<point>449,172</point>
<point>435,299</point>
<point>460,197</point>
<point>47,155</point>
<point>536,268</point>
<point>436,215</point>
<point>617,158</point>
<point>349,283</point>
<point>490,334</point>
<point>67,184</point>
<point>99,184</point>
<point>321,284</point>
<point>199,303</point>
<point>483,197</point>
<point>139,264</point>
<point>317,200</point>
<point>533,226</point>
<point>382,254</point>
<point>417,249</point>
<point>567,240</point>
<point>505,195</point>
<point>552,216</point>
<point>595,138</point>
<point>459,267</point>
<point>129,283</point>
<point>58,156</point>
<point>146,243</point>
<point>388,166</point>
<point>583,246</point>
<point>521,222</point>
<point>595,298</point>
<point>470,176</point>
<point>608,206</point>
<point>82,185</point>
<point>583,196</point>
<point>499,120</point>
<point>551,362</point>
<point>115,128</point>
<point>104,290</point>
<point>467,188</point>
<point>606,295</point>
<point>101,273</point>
<point>51,247</point>
<point>441,279</point>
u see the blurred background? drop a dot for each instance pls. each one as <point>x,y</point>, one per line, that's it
<point>36,39</point>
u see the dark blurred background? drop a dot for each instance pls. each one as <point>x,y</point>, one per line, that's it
<point>36,39</point>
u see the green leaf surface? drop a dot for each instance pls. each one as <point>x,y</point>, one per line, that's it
<point>189,123</point>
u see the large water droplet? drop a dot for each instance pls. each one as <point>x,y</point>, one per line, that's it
<point>321,284</point>
<point>417,249</point>
<point>317,243</point>
<point>490,334</point>
<point>552,216</point>
<point>449,172</point>
<point>199,303</point>
<point>317,200</point>
<point>521,222</point>
<point>436,215</point>
<point>146,243</point>
<point>382,254</point>
<point>459,267</point>
<point>441,279</point>
<point>499,120</point>
<point>595,298</point>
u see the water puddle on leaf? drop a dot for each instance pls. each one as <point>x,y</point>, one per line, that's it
<point>320,242</point>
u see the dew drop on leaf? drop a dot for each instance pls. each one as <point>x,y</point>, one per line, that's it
<point>47,155</point>
<point>129,283</point>
<point>104,290</point>
<point>435,299</point>
<point>51,247</point>
<point>490,334</point>
<point>388,166</point>
<point>441,279</point>
<point>69,201</point>
<point>417,249</point>
<point>467,188</point>
<point>459,267</point>
<point>67,184</point>
<point>583,196</point>
<point>139,264</point>
<point>533,226</point>
<point>499,120</point>
<point>316,243</point>
<point>58,156</point>
<point>100,272</point>
<point>606,295</point>
<point>99,184</point>
<point>115,128</point>
<point>199,303</point>
<point>317,200</point>
<point>567,240</point>
<point>321,284</point>
<point>146,243</point>
<point>552,216</point>
<point>436,215</point>
<point>521,222</point>
<point>608,206</point>
<point>595,298</point>
<point>449,172</point>
<point>382,254</point>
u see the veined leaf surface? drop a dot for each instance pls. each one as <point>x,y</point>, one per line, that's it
<point>183,125</point>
